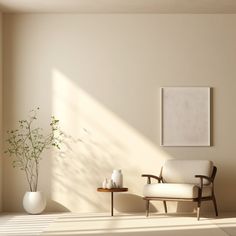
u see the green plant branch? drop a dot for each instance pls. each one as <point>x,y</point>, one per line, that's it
<point>26,144</point>
<point>35,165</point>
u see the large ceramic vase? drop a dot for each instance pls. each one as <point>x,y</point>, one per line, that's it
<point>34,202</point>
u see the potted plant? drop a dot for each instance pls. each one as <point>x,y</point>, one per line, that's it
<point>26,145</point>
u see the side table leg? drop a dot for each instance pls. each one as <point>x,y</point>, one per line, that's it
<point>111,203</point>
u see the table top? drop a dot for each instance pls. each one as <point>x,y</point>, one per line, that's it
<point>112,190</point>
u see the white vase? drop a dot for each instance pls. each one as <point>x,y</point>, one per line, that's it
<point>117,178</point>
<point>34,202</point>
<point>104,183</point>
<point>109,184</point>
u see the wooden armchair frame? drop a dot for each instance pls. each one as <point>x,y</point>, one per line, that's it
<point>199,199</point>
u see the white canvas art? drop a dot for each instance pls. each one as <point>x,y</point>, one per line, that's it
<point>185,116</point>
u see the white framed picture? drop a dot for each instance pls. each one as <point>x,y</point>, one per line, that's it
<point>185,116</point>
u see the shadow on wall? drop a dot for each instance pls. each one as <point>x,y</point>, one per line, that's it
<point>125,202</point>
<point>53,206</point>
<point>98,142</point>
<point>206,206</point>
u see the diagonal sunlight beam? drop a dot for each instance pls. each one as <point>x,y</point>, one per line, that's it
<point>98,142</point>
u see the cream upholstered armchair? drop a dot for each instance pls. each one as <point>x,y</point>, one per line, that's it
<point>182,180</point>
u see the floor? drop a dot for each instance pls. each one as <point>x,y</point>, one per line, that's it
<point>119,225</point>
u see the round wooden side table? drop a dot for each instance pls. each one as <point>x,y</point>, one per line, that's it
<point>112,190</point>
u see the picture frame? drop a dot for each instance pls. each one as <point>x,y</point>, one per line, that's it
<point>185,116</point>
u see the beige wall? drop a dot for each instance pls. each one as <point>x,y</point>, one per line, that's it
<point>100,75</point>
<point>1,109</point>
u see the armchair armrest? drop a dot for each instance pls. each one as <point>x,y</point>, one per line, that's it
<point>159,179</point>
<point>203,177</point>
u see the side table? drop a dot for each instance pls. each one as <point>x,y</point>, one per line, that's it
<point>112,190</point>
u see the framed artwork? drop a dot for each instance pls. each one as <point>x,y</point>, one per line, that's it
<point>185,116</point>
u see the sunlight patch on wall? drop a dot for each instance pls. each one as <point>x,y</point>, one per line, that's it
<point>97,141</point>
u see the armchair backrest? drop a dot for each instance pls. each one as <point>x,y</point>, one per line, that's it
<point>184,171</point>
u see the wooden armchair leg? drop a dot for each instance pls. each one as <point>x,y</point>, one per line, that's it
<point>198,208</point>
<point>215,205</point>
<point>147,208</point>
<point>165,206</point>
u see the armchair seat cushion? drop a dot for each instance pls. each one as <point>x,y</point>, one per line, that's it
<point>170,190</point>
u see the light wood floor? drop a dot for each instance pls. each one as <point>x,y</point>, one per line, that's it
<point>126,225</point>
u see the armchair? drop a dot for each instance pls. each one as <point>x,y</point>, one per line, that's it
<point>182,180</point>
